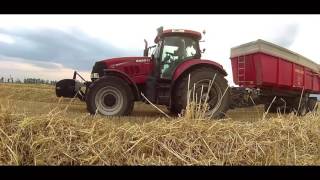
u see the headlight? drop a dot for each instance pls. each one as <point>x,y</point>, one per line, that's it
<point>95,75</point>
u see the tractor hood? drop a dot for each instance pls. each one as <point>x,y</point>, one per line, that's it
<point>114,62</point>
<point>119,63</point>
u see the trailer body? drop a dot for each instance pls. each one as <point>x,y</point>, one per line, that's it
<point>278,77</point>
<point>264,65</point>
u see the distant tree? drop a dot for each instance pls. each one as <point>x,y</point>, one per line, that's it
<point>33,81</point>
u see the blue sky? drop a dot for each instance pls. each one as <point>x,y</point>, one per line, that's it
<point>52,46</point>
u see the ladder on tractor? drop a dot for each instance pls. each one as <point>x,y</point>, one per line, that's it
<point>241,69</point>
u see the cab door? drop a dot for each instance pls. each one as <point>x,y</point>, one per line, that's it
<point>150,89</point>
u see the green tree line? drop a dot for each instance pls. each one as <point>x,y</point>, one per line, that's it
<point>27,81</point>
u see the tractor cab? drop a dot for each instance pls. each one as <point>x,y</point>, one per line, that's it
<point>173,47</point>
<point>161,78</point>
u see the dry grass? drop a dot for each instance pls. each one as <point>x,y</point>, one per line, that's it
<point>38,129</point>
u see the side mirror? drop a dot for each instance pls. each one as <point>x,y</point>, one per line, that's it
<point>204,49</point>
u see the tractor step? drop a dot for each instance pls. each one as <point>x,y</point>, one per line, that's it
<point>163,93</point>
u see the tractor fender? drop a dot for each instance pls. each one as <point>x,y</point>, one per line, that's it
<point>189,65</point>
<point>122,75</point>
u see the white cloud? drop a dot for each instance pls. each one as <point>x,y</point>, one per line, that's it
<point>6,39</point>
<point>23,68</point>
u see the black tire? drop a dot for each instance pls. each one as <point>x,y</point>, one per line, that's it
<point>303,110</point>
<point>280,105</point>
<point>173,111</point>
<point>202,76</point>
<point>272,109</point>
<point>312,104</point>
<point>113,96</point>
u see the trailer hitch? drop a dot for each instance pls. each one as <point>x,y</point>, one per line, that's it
<point>244,97</point>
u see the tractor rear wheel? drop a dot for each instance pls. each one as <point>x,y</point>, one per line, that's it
<point>110,96</point>
<point>173,111</point>
<point>217,98</point>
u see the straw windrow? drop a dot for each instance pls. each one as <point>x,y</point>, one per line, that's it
<point>35,137</point>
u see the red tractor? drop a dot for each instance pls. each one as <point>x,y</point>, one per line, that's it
<point>162,77</point>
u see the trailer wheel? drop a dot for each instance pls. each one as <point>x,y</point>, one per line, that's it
<point>303,109</point>
<point>272,109</point>
<point>218,102</point>
<point>110,96</point>
<point>312,104</point>
<point>283,106</point>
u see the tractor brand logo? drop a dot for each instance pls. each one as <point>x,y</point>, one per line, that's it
<point>143,60</point>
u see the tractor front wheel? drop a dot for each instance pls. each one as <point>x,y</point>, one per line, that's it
<point>110,96</point>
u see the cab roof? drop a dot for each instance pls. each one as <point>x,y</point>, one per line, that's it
<point>178,32</point>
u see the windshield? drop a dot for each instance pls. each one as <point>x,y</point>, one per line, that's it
<point>180,47</point>
<point>175,50</point>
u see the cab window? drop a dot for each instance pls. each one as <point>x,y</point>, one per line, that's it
<point>175,50</point>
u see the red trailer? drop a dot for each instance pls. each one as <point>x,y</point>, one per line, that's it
<point>276,72</point>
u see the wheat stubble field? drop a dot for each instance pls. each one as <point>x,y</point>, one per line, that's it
<point>37,128</point>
